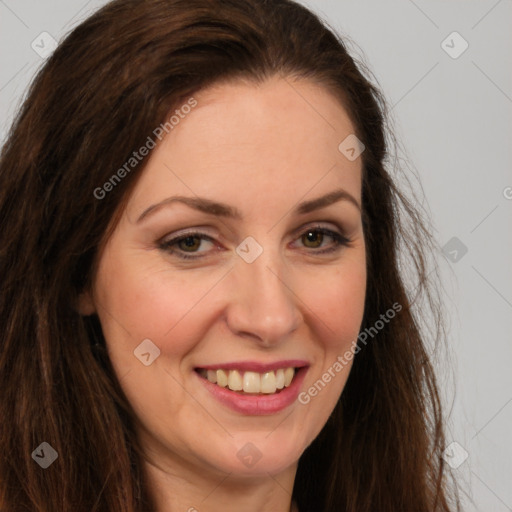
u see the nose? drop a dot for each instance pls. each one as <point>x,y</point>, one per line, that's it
<point>263,305</point>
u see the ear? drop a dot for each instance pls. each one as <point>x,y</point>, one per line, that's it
<point>85,305</point>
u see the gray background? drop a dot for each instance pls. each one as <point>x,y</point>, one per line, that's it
<point>453,116</point>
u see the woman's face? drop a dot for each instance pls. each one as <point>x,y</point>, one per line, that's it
<point>254,289</point>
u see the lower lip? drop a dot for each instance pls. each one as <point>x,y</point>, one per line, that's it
<point>256,405</point>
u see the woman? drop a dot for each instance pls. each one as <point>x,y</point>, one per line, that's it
<point>202,305</point>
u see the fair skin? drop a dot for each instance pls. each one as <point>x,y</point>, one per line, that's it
<point>262,150</point>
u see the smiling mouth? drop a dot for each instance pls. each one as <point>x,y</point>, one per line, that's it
<point>250,383</point>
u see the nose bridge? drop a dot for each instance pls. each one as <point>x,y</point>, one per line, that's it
<point>264,304</point>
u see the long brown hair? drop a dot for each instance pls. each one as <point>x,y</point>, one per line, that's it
<point>108,85</point>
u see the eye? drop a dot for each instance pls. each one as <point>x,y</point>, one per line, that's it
<point>313,237</point>
<point>187,246</point>
<point>188,243</point>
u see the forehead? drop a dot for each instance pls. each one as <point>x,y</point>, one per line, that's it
<point>305,110</point>
<point>280,137</point>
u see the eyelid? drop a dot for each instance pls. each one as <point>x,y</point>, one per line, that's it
<point>335,226</point>
<point>174,239</point>
<point>337,234</point>
<point>340,239</point>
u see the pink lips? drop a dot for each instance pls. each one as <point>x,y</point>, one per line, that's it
<point>257,405</point>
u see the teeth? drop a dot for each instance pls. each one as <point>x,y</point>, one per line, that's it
<point>280,379</point>
<point>288,376</point>
<point>268,383</point>
<point>222,378</point>
<point>235,381</point>
<point>251,382</point>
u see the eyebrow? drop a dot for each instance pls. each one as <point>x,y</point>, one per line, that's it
<point>224,210</point>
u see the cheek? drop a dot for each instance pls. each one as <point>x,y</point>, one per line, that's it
<point>336,300</point>
<point>139,297</point>
<point>337,304</point>
<point>139,301</point>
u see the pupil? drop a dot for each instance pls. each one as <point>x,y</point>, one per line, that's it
<point>313,236</point>
<point>189,241</point>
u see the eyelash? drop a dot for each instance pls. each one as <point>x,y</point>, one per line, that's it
<point>339,241</point>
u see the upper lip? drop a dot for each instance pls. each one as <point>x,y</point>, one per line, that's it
<point>256,366</point>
